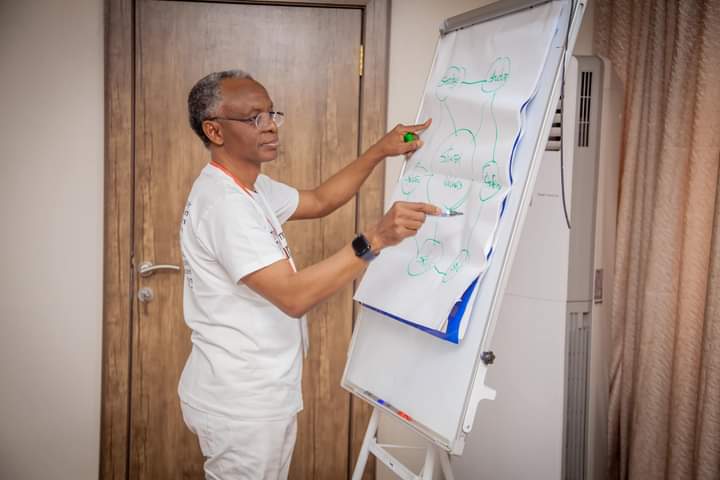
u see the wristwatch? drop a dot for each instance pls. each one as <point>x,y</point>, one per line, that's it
<point>362,248</point>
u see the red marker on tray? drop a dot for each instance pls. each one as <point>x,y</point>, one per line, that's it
<point>404,416</point>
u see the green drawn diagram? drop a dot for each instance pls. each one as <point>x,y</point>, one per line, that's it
<point>444,179</point>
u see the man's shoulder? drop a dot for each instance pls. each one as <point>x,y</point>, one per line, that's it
<point>263,183</point>
<point>213,193</point>
<point>272,188</point>
<point>210,186</point>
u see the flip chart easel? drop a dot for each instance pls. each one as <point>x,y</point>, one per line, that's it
<point>432,386</point>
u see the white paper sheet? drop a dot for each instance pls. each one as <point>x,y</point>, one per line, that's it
<point>480,82</point>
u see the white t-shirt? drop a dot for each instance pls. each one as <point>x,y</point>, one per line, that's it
<point>246,358</point>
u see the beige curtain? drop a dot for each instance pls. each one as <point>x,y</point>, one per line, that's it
<point>665,368</point>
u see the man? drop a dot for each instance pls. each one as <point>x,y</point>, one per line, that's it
<point>243,299</point>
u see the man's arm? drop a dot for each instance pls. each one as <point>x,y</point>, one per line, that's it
<point>297,292</point>
<point>341,187</point>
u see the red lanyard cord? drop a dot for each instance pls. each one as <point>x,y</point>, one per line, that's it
<point>250,192</point>
<point>227,172</point>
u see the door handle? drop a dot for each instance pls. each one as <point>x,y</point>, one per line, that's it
<point>145,269</point>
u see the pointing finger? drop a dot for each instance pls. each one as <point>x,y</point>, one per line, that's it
<point>421,126</point>
<point>424,207</point>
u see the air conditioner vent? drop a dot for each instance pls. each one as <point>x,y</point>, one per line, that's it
<point>555,138</point>
<point>577,363</point>
<point>584,109</point>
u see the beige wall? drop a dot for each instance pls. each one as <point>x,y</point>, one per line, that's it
<point>51,167</point>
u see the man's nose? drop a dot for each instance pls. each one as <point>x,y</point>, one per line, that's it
<point>271,126</point>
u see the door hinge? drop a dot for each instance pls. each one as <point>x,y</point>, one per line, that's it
<point>361,66</point>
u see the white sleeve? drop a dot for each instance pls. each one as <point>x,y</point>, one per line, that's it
<point>239,237</point>
<point>282,199</point>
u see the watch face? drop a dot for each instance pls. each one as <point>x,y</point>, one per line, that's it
<point>360,245</point>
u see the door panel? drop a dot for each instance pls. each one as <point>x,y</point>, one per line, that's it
<point>307,59</point>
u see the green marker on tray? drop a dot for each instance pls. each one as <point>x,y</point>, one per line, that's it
<point>409,137</point>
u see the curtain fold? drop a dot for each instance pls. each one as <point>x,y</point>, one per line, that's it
<point>665,366</point>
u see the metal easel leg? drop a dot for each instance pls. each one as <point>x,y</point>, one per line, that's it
<point>429,467</point>
<point>445,464</point>
<point>382,453</point>
<point>365,448</point>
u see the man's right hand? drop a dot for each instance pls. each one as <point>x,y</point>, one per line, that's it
<point>403,220</point>
<point>296,292</point>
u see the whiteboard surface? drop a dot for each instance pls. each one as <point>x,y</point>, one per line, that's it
<point>433,381</point>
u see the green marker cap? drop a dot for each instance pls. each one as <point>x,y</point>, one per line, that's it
<point>409,137</point>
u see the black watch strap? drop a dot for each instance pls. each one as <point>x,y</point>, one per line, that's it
<point>362,248</point>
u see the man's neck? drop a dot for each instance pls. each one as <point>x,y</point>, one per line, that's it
<point>245,172</point>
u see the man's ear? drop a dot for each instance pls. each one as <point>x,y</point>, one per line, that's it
<point>213,132</point>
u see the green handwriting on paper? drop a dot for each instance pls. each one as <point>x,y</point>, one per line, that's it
<point>490,186</point>
<point>453,184</point>
<point>467,152</point>
<point>450,156</point>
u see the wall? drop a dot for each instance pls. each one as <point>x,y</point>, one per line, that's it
<point>51,179</point>
<point>414,32</point>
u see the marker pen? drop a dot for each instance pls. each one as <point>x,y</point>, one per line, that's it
<point>446,212</point>
<point>409,137</point>
<point>385,404</point>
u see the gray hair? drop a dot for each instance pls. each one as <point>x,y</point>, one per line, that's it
<point>204,99</point>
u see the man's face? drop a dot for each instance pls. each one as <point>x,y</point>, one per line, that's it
<point>245,98</point>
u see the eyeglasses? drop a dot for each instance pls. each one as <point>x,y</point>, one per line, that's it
<point>261,121</point>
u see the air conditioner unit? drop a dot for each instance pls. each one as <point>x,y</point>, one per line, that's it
<point>549,420</point>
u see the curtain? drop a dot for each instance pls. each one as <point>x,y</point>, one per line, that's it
<point>664,419</point>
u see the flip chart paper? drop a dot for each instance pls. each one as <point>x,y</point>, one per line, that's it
<point>476,94</point>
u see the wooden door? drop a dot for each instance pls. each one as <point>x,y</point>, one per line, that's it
<point>307,58</point>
